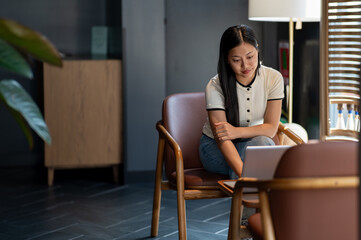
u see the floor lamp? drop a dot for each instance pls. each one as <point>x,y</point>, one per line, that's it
<point>286,11</point>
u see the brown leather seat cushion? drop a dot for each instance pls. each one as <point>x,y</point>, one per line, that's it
<point>198,177</point>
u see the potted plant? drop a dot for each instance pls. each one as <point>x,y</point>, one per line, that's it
<point>17,44</point>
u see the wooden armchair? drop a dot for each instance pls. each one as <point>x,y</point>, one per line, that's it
<point>313,195</point>
<point>180,130</point>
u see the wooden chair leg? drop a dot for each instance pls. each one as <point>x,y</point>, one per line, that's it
<point>182,225</point>
<point>267,225</point>
<point>157,188</point>
<point>156,210</point>
<point>232,233</point>
<point>235,216</point>
<point>50,176</point>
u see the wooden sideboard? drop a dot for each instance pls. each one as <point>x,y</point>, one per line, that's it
<point>83,110</point>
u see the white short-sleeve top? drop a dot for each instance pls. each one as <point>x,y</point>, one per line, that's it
<point>252,99</point>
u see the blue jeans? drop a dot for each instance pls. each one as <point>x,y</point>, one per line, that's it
<point>213,160</point>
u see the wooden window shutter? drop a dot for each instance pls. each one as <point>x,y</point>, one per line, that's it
<point>340,65</point>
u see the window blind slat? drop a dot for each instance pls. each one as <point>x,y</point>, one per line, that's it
<point>343,1</point>
<point>345,78</point>
<point>344,71</point>
<point>342,45</point>
<point>335,14</point>
<point>333,7</point>
<point>341,91</point>
<point>345,81</point>
<point>344,84</point>
<point>346,52</point>
<point>343,65</point>
<point>345,20</point>
<point>342,59</point>
<point>344,33</point>
<point>344,39</point>
<point>355,27</point>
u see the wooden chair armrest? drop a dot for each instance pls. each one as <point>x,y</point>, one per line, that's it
<point>177,153</point>
<point>171,141</point>
<point>289,133</point>
<point>299,183</point>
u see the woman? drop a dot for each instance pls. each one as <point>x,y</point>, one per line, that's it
<point>243,101</point>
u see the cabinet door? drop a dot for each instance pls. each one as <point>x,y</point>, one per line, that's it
<point>82,103</point>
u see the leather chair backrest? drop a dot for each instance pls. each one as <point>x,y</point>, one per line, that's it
<point>184,115</point>
<point>317,214</point>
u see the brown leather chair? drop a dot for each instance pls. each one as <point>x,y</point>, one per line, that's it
<point>183,117</point>
<point>180,130</point>
<point>313,195</point>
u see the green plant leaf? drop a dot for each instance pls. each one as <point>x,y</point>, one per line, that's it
<point>21,121</point>
<point>19,100</point>
<point>30,41</point>
<point>12,60</point>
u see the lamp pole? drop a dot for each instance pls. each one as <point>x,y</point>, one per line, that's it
<point>290,72</point>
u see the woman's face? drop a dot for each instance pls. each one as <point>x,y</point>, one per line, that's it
<point>243,60</point>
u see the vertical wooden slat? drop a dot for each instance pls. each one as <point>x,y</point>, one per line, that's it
<point>324,108</point>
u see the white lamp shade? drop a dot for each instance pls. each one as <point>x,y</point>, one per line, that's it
<point>283,10</point>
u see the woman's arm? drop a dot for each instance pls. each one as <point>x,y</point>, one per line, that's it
<point>227,147</point>
<point>225,131</point>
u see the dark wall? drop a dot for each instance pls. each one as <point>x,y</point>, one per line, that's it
<point>67,24</point>
<point>193,33</point>
<point>305,76</point>
<point>144,81</point>
<point>162,45</point>
<point>307,72</point>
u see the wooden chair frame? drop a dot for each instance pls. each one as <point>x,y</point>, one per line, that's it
<point>282,129</point>
<point>197,192</point>
<point>279,184</point>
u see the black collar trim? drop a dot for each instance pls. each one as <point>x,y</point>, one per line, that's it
<point>250,84</point>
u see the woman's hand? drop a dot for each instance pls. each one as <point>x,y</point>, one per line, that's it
<point>225,131</point>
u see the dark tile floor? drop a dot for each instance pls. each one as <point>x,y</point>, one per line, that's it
<point>83,204</point>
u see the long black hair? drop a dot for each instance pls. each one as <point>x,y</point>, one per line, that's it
<point>231,38</point>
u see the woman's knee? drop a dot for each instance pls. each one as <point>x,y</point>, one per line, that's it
<point>211,157</point>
